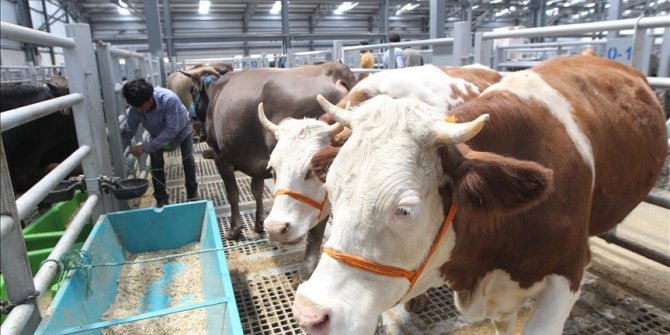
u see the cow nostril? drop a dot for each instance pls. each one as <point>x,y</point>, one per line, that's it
<point>310,316</point>
<point>286,228</point>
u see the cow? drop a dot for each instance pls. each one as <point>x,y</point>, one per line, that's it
<point>32,147</point>
<point>305,207</point>
<point>235,135</point>
<point>500,212</point>
<point>180,83</point>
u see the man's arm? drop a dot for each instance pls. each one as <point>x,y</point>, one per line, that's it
<point>171,110</point>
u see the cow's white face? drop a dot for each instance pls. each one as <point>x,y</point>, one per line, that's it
<point>383,187</point>
<point>298,140</point>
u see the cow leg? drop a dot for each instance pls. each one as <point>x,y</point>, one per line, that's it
<point>257,184</point>
<point>553,307</point>
<point>417,304</point>
<point>227,173</point>
<point>312,252</point>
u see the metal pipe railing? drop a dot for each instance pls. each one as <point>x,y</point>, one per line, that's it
<point>23,34</point>
<point>18,116</point>
<point>581,28</point>
<point>659,82</point>
<point>48,270</point>
<point>6,224</point>
<point>40,190</point>
<point>434,41</point>
<point>553,44</point>
<point>125,53</point>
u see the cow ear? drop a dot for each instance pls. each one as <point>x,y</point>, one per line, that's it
<point>496,185</point>
<point>322,160</point>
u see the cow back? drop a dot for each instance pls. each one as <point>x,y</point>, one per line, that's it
<point>284,92</point>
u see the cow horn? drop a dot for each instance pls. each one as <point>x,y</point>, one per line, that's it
<point>185,73</point>
<point>335,129</point>
<point>454,133</point>
<point>339,114</point>
<point>264,120</point>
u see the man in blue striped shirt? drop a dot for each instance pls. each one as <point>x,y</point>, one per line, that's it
<point>163,115</point>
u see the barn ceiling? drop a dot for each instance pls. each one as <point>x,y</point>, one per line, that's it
<point>249,24</point>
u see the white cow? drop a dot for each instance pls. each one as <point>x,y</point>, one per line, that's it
<point>572,146</point>
<point>301,204</point>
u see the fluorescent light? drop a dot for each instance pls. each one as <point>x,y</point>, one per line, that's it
<point>123,8</point>
<point>204,7</point>
<point>345,6</point>
<point>166,60</point>
<point>122,61</point>
<point>276,8</point>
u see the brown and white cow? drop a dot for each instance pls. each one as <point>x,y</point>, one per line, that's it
<point>238,140</point>
<point>301,205</point>
<point>571,146</point>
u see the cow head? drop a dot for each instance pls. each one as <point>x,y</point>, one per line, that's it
<point>300,198</point>
<point>389,199</point>
<point>201,82</point>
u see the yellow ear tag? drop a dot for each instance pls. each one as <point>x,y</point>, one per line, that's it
<point>450,119</point>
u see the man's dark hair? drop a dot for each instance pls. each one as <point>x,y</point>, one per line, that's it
<point>394,37</point>
<point>137,92</point>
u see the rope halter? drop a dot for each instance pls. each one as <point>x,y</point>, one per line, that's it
<point>392,271</point>
<point>304,199</point>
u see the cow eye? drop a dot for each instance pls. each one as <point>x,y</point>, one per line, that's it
<point>274,175</point>
<point>403,211</point>
<point>309,174</point>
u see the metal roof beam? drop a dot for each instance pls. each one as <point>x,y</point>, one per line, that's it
<point>248,15</point>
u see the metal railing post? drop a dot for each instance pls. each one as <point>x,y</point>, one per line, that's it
<point>88,115</point>
<point>32,73</point>
<point>107,79</point>
<point>13,254</point>
<point>462,44</point>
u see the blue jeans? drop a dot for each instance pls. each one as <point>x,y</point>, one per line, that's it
<point>188,162</point>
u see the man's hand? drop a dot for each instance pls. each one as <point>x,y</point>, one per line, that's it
<point>137,151</point>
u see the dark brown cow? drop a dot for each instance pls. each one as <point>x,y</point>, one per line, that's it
<point>572,146</point>
<point>234,132</point>
<point>31,147</point>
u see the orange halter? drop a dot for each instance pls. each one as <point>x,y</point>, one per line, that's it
<point>304,199</point>
<point>392,271</point>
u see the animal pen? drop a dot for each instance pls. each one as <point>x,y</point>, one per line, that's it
<point>622,292</point>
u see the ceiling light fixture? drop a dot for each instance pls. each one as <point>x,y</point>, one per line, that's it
<point>345,6</point>
<point>276,8</point>
<point>406,8</point>
<point>123,8</point>
<point>203,8</point>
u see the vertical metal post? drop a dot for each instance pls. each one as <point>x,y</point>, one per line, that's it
<point>638,55</point>
<point>48,30</point>
<point>13,255</point>
<point>613,14</point>
<point>88,115</point>
<point>285,28</point>
<point>482,49</point>
<point>664,59</point>
<point>462,43</point>
<point>436,30</point>
<point>32,73</point>
<point>153,21</point>
<point>169,43</point>
<point>338,52</point>
<point>384,17</point>
<point>108,81</point>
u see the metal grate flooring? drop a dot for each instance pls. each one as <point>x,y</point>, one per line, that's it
<point>263,272</point>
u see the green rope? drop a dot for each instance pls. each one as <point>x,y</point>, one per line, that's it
<point>79,259</point>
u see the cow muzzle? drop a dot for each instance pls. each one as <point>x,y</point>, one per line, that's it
<point>280,231</point>
<point>310,316</point>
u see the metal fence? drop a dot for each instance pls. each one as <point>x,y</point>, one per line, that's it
<point>86,77</point>
<point>30,73</point>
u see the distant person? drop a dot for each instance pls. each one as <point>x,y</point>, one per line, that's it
<point>162,114</point>
<point>393,38</point>
<point>412,57</point>
<point>366,61</point>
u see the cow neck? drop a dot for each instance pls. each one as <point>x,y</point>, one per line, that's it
<point>392,271</point>
<point>304,199</point>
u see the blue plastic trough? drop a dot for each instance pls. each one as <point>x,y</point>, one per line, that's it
<point>146,230</point>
